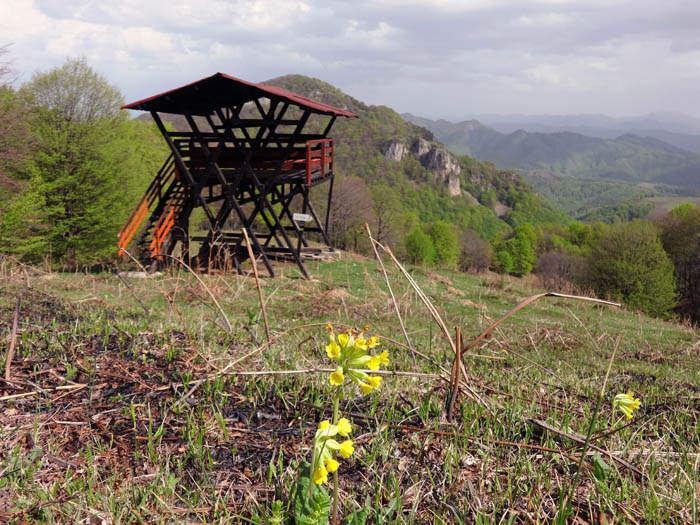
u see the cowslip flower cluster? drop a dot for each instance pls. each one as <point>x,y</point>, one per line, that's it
<point>327,448</point>
<point>627,404</point>
<point>350,351</point>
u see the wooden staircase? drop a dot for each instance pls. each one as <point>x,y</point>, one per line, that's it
<point>162,204</point>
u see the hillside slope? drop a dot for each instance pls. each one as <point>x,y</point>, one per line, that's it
<point>383,148</point>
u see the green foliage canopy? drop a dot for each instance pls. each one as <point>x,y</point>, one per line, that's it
<point>444,243</point>
<point>628,263</point>
<point>89,166</point>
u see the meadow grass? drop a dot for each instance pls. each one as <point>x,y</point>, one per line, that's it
<point>134,417</point>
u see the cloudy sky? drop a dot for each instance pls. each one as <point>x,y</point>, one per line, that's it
<point>439,58</point>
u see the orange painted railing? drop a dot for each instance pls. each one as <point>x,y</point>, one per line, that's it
<point>167,220</point>
<point>319,154</point>
<point>155,191</point>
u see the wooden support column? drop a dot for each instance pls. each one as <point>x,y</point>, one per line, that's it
<point>182,167</point>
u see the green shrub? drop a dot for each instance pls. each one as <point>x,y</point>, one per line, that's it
<point>628,263</point>
<point>445,243</point>
<point>418,246</point>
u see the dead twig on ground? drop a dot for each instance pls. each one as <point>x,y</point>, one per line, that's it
<point>129,287</point>
<point>13,341</point>
<point>257,283</point>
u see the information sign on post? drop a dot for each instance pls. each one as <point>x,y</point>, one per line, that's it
<point>301,217</point>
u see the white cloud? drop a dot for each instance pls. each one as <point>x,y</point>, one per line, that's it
<point>596,55</point>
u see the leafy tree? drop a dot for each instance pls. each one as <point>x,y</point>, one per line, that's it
<point>444,243</point>
<point>503,261</point>
<point>680,236</point>
<point>418,246</point>
<point>628,263</point>
<point>16,139</point>
<point>522,249</point>
<point>86,171</point>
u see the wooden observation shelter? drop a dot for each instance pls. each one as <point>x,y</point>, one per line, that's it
<point>244,160</point>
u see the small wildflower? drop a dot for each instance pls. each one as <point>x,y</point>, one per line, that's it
<point>346,448</point>
<point>361,343</point>
<point>337,377</point>
<point>373,363</point>
<point>343,340</point>
<point>366,388</point>
<point>333,350</point>
<point>375,381</point>
<point>384,358</point>
<point>373,341</point>
<point>627,404</point>
<point>344,427</point>
<point>366,328</point>
<point>321,475</point>
<point>324,424</point>
<point>332,465</point>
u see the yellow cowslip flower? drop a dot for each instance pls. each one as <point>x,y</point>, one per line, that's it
<point>366,328</point>
<point>373,362</point>
<point>343,340</point>
<point>333,350</point>
<point>321,475</point>
<point>360,343</point>
<point>337,377</point>
<point>627,404</point>
<point>373,341</point>
<point>384,358</point>
<point>324,424</point>
<point>375,381</point>
<point>332,465</point>
<point>366,388</point>
<point>346,448</point>
<point>344,427</point>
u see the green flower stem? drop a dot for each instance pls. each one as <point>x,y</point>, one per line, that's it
<point>336,402</point>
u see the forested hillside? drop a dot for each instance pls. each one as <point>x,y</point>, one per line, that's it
<point>627,157</point>
<point>404,167</point>
<point>581,173</point>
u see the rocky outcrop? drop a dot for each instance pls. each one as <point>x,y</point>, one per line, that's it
<point>396,151</point>
<point>433,157</point>
<point>420,147</point>
<point>444,166</point>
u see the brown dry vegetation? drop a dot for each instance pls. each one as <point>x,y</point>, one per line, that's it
<point>114,414</point>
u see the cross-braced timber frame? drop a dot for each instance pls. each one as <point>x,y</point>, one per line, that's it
<point>247,156</point>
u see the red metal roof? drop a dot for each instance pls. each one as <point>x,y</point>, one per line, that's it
<point>221,90</point>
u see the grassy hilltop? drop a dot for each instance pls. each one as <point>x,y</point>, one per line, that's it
<point>156,412</point>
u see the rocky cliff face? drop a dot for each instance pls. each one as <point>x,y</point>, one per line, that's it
<point>396,151</point>
<point>433,157</point>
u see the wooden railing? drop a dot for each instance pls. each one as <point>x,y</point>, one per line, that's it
<point>167,219</point>
<point>319,154</point>
<point>155,192</point>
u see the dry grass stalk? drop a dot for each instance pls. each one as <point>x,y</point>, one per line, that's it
<point>528,302</point>
<point>393,298</point>
<point>13,342</point>
<point>213,298</point>
<point>436,316</point>
<point>456,374</point>
<point>257,283</point>
<point>128,287</point>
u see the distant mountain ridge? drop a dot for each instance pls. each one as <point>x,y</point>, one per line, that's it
<point>627,157</point>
